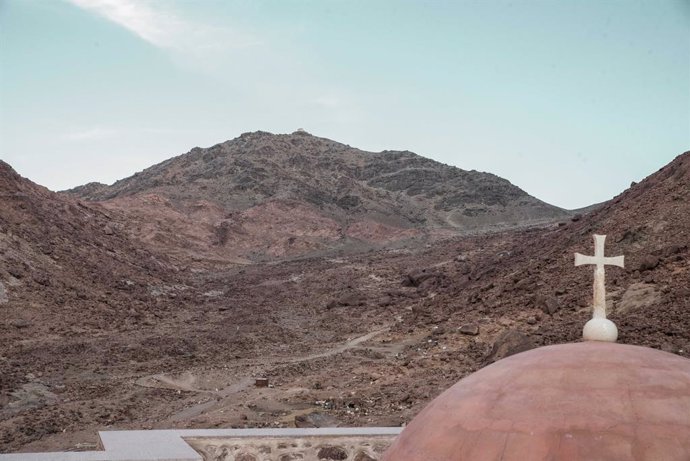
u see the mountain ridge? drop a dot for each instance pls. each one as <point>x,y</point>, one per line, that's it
<point>389,192</point>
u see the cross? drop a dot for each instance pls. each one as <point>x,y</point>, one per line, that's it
<point>600,261</point>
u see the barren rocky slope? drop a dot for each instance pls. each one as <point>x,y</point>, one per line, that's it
<point>534,280</point>
<point>359,339</point>
<point>66,272</point>
<point>62,257</point>
<point>265,196</point>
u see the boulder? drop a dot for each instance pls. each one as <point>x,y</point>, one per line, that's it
<point>508,343</point>
<point>638,296</point>
<point>471,329</point>
<point>547,303</point>
<point>21,323</point>
<point>648,263</point>
<point>348,299</point>
<point>316,419</point>
<point>352,299</point>
<point>671,250</point>
<point>416,277</point>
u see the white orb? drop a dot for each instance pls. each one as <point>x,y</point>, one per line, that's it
<point>599,329</point>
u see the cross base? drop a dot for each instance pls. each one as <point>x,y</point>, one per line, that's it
<point>600,329</point>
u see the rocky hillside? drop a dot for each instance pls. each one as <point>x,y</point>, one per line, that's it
<point>62,259</point>
<point>533,286</point>
<point>266,196</point>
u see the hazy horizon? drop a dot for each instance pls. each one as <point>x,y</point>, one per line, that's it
<point>570,101</point>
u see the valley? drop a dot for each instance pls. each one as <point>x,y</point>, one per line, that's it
<point>119,315</point>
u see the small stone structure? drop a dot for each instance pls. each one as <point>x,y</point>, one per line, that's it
<point>317,444</point>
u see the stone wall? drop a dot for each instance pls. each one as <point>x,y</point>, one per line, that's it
<point>314,448</point>
<point>307,444</point>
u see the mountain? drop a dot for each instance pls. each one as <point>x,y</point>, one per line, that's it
<point>269,196</point>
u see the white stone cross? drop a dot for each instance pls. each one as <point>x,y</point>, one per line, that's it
<point>599,328</point>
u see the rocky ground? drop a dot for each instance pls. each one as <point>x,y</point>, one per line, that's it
<point>95,338</point>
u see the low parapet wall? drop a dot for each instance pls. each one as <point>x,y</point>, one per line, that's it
<point>322,444</point>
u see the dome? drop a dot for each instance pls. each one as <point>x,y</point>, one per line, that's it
<point>585,401</point>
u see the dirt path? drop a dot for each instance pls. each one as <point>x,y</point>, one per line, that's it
<point>186,381</point>
<point>340,349</point>
<point>218,398</point>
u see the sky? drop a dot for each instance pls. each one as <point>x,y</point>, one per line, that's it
<point>569,100</point>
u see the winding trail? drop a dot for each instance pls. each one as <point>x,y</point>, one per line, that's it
<point>217,398</point>
<point>340,349</point>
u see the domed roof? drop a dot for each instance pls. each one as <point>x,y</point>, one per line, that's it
<point>583,401</point>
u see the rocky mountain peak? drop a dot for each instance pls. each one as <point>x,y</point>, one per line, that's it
<point>393,194</point>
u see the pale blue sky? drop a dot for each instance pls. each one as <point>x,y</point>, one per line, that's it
<point>570,100</point>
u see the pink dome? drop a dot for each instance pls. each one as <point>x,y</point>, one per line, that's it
<point>585,401</point>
